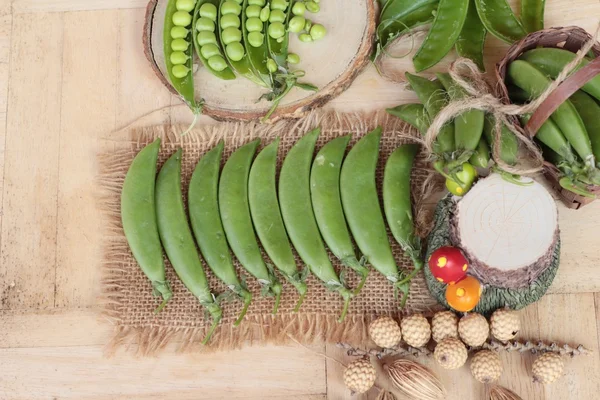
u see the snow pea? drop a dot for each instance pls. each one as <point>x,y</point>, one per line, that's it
<point>237,222</point>
<point>327,205</point>
<point>468,127</point>
<point>509,146</point>
<point>481,156</point>
<point>551,135</point>
<point>413,114</point>
<point>180,75</point>
<point>447,25</point>
<point>206,224</point>
<point>138,215</point>
<point>391,28</point>
<point>226,73</point>
<point>434,98</point>
<point>397,9</point>
<point>499,19</point>
<point>177,239</point>
<point>534,82</point>
<point>362,209</point>
<point>299,217</point>
<point>241,66</point>
<point>266,215</point>
<point>589,110</point>
<point>257,55</point>
<point>552,61</point>
<point>471,40</point>
<point>532,14</point>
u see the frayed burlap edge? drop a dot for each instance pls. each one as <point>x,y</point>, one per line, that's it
<point>301,327</point>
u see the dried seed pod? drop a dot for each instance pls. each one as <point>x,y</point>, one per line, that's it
<point>416,330</point>
<point>385,332</point>
<point>385,395</point>
<point>486,366</point>
<point>502,393</point>
<point>415,380</point>
<point>444,324</point>
<point>360,376</point>
<point>473,329</point>
<point>451,353</point>
<point>505,324</point>
<point>547,368</point>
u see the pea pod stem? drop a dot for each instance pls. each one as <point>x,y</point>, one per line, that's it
<point>568,184</point>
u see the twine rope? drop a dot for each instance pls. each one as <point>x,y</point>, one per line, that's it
<point>481,97</point>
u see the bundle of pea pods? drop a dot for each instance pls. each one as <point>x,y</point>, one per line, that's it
<point>248,38</point>
<point>317,202</point>
<point>459,24</point>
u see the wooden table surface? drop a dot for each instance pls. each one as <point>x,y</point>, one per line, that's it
<point>71,73</point>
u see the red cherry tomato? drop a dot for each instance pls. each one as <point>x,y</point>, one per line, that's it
<point>448,265</point>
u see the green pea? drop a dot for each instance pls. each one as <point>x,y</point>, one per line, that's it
<point>265,13</point>
<point>179,32</point>
<point>272,65</point>
<point>210,50</point>
<point>185,5</point>
<point>178,57</point>
<point>182,18</point>
<point>318,31</point>
<point>205,24</point>
<point>235,51</point>
<point>279,5</point>
<point>308,25</point>
<point>179,45</point>
<point>230,21</point>
<point>276,16</point>
<point>256,39</point>
<point>217,63</point>
<point>293,58</point>
<point>305,37</point>
<point>180,71</point>
<point>312,7</point>
<point>239,1</point>
<point>297,24</point>
<point>317,1</point>
<point>276,30</point>
<point>256,2</point>
<point>231,35</point>
<point>280,40</point>
<point>206,37</point>
<point>253,11</point>
<point>208,10</point>
<point>230,7</point>
<point>254,25</point>
<point>298,8</point>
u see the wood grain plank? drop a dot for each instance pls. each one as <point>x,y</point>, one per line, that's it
<point>28,236</point>
<point>82,372</point>
<point>37,6</point>
<point>89,50</point>
<point>571,318</point>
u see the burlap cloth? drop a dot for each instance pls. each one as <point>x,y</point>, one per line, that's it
<point>127,293</point>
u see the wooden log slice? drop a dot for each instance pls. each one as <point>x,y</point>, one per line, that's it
<point>331,63</point>
<point>508,232</point>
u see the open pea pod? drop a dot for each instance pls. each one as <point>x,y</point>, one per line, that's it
<point>278,47</point>
<point>207,37</point>
<point>232,37</point>
<point>257,55</point>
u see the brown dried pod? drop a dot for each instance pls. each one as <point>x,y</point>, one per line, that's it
<point>415,380</point>
<point>385,395</point>
<point>502,393</point>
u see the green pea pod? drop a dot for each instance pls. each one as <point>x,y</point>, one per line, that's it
<point>398,207</point>
<point>589,111</point>
<point>266,215</point>
<point>237,222</point>
<point>447,25</point>
<point>185,85</point>
<point>552,61</point>
<point>361,206</point>
<point>138,215</point>
<point>434,98</point>
<point>551,135</point>
<point>327,204</point>
<point>299,217</point>
<point>242,67</point>
<point>499,19</point>
<point>413,114</point>
<point>534,82</point>
<point>532,14</point>
<point>177,239</point>
<point>279,49</point>
<point>471,40</point>
<point>398,9</point>
<point>509,146</point>
<point>227,73</point>
<point>481,157</point>
<point>206,224</point>
<point>390,29</point>
<point>257,56</point>
<point>468,127</point>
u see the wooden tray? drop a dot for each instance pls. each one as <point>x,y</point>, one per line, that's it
<point>331,64</point>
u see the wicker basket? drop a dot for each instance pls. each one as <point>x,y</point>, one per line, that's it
<point>570,38</point>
